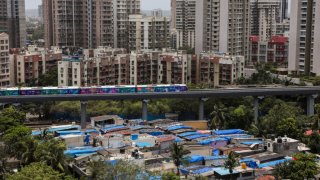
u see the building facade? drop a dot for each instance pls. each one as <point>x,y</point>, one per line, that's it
<point>276,50</point>
<point>183,14</point>
<point>223,26</point>
<point>6,71</point>
<point>13,21</point>
<point>217,68</point>
<point>108,66</point>
<point>28,65</point>
<point>88,23</point>
<point>297,46</point>
<point>148,32</point>
<point>265,15</point>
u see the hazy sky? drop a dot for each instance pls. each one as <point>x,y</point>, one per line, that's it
<point>145,4</point>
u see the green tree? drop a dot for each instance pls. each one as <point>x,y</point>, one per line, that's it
<point>13,140</point>
<point>313,142</point>
<point>289,127</point>
<point>29,145</point>
<point>38,171</point>
<point>100,170</point>
<point>231,162</point>
<point>177,153</point>
<point>239,117</point>
<point>276,115</point>
<point>303,167</point>
<point>51,152</point>
<point>7,123</point>
<point>218,117</point>
<point>13,113</point>
<point>49,78</point>
<point>3,163</point>
<point>170,176</point>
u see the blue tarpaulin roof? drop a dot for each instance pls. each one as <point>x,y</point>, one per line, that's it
<point>251,142</point>
<point>187,134</point>
<point>236,136</point>
<point>61,133</point>
<point>209,141</point>
<point>215,157</point>
<point>229,131</point>
<point>84,150</point>
<point>173,128</point>
<point>35,133</point>
<point>64,128</point>
<point>202,170</point>
<point>143,144</point>
<point>244,160</point>
<point>178,140</point>
<point>194,158</point>
<point>112,128</point>
<point>223,171</point>
<point>273,163</point>
<point>92,131</point>
<point>197,136</point>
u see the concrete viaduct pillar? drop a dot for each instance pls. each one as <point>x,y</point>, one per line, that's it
<point>201,108</point>
<point>310,104</point>
<point>256,108</point>
<point>145,109</point>
<point>83,113</point>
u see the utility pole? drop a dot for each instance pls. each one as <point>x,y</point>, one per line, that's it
<point>307,61</point>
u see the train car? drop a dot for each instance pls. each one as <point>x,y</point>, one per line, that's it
<point>68,90</point>
<point>29,91</point>
<point>11,91</point>
<point>49,90</point>
<point>126,89</point>
<point>145,88</point>
<point>90,90</point>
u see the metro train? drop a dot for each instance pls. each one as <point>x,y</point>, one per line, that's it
<point>32,91</point>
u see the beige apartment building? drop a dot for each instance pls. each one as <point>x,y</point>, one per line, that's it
<point>29,64</point>
<point>88,23</point>
<point>108,66</point>
<point>265,16</point>
<point>5,65</point>
<point>183,23</point>
<point>297,44</point>
<point>222,26</point>
<point>152,32</point>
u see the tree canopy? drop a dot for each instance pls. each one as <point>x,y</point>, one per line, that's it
<point>38,171</point>
<point>304,166</point>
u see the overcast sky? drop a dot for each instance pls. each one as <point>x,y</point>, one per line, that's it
<point>145,4</point>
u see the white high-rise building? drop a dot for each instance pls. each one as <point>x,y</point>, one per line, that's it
<point>149,32</point>
<point>183,14</point>
<point>223,26</point>
<point>265,15</point>
<point>297,45</point>
<point>6,71</point>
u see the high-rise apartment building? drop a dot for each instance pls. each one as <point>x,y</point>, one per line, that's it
<point>88,23</point>
<point>13,21</point>
<point>265,15</point>
<point>183,23</point>
<point>5,70</point>
<point>121,11</point>
<point>298,37</point>
<point>223,26</point>
<point>148,32</point>
<point>284,13</point>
